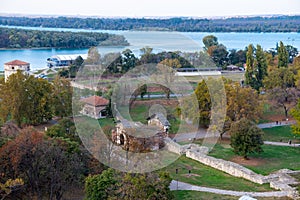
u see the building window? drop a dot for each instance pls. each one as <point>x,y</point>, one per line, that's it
<point>13,68</point>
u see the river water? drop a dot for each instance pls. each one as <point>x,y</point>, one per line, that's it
<point>159,41</point>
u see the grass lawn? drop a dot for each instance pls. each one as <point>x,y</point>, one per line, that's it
<point>271,113</point>
<point>280,134</point>
<point>272,159</point>
<point>140,113</point>
<point>195,195</point>
<point>232,76</point>
<point>107,124</point>
<point>203,175</point>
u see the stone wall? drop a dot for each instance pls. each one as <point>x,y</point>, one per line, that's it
<point>227,166</point>
<point>279,180</point>
<point>174,147</point>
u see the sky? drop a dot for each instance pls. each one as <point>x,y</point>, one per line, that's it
<point>151,8</point>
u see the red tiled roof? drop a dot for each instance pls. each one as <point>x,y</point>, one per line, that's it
<point>16,62</point>
<point>96,101</point>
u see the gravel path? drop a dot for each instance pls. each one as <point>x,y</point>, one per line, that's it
<point>186,186</point>
<point>281,144</point>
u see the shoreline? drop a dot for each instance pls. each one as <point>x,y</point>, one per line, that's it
<point>59,48</point>
<point>145,29</point>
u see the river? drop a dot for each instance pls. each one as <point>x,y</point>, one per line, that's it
<point>159,41</point>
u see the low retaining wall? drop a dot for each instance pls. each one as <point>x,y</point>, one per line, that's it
<point>228,167</point>
<point>174,147</point>
<point>279,180</point>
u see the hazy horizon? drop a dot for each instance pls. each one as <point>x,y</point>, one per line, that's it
<point>146,17</point>
<point>151,9</point>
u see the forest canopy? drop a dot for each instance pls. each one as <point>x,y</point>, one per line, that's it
<point>20,38</point>
<point>235,24</point>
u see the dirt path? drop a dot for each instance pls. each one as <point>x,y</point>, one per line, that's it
<point>185,186</point>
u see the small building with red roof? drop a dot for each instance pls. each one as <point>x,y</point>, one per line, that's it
<point>15,65</point>
<point>94,106</point>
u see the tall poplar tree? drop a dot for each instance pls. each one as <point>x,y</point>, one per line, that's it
<point>256,67</point>
<point>283,55</point>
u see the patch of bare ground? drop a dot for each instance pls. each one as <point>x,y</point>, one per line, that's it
<point>248,162</point>
<point>276,117</point>
<point>190,175</point>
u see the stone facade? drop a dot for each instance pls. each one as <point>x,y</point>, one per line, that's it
<point>132,136</point>
<point>94,107</point>
<point>160,121</point>
<point>129,139</point>
<point>15,65</point>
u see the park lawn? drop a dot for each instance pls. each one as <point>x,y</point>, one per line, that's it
<point>141,113</point>
<point>280,134</point>
<point>271,113</point>
<point>231,76</point>
<point>273,158</point>
<point>205,176</point>
<point>106,122</point>
<point>195,195</point>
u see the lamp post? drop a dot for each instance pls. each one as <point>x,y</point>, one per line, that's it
<point>177,178</point>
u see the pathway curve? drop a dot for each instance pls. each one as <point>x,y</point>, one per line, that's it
<point>276,124</point>
<point>281,144</point>
<point>187,186</point>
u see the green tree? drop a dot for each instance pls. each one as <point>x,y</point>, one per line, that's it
<point>147,55</point>
<point>219,55</point>
<point>101,186</point>
<point>281,90</point>
<point>249,74</point>
<point>245,138</point>
<point>39,105</point>
<point>173,63</point>
<point>237,57</point>
<point>116,185</point>
<point>62,97</point>
<point>204,102</point>
<point>26,99</point>
<point>283,55</point>
<point>129,60</point>
<point>93,56</point>
<point>203,105</point>
<point>262,67</point>
<point>295,112</point>
<point>292,52</point>
<point>112,62</point>
<point>256,67</point>
<point>65,128</point>
<point>210,40</point>
<point>242,102</point>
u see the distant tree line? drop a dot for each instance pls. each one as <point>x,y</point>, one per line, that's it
<point>237,24</point>
<point>20,38</point>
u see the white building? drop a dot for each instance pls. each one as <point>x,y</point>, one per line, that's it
<point>64,60</point>
<point>15,65</point>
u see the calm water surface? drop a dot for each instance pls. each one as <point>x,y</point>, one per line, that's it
<point>160,41</point>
